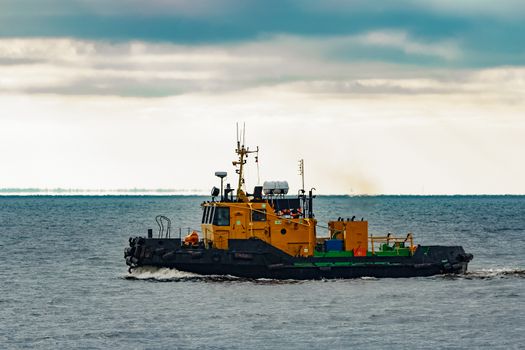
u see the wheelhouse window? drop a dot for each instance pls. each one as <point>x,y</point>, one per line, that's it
<point>222,216</point>
<point>204,212</point>
<point>207,215</point>
<point>259,215</point>
<point>210,215</point>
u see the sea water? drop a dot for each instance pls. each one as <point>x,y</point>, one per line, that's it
<point>64,282</point>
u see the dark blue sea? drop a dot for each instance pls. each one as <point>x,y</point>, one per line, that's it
<point>65,285</point>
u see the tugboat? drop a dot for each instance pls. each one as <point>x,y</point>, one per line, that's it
<point>268,234</point>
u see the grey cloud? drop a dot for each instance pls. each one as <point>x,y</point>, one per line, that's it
<point>361,87</point>
<point>188,8</point>
<point>123,87</point>
<point>503,9</point>
<point>295,64</point>
<point>6,61</point>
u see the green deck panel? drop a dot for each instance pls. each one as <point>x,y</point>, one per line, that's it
<point>333,254</point>
<point>303,265</point>
<point>344,263</point>
<point>345,254</point>
<point>395,252</point>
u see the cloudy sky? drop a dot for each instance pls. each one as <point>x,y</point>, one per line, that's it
<point>378,97</point>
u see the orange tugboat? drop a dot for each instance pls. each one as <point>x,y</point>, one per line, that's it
<point>268,234</point>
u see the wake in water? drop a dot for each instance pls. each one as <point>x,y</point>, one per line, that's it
<point>172,275</point>
<point>494,273</point>
<point>155,274</point>
<point>497,273</point>
<point>162,274</point>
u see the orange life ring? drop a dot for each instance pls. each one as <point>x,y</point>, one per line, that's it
<point>192,238</point>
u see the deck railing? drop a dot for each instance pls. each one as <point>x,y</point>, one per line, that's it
<point>397,241</point>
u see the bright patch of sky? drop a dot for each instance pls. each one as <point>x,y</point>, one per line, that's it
<point>378,97</point>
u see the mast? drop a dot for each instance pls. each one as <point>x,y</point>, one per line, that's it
<point>301,172</point>
<point>302,191</point>
<point>242,152</point>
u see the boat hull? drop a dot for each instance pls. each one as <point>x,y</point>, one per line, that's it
<point>254,258</point>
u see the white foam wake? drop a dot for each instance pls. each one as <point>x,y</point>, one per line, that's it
<point>163,274</point>
<point>498,272</point>
<point>160,274</point>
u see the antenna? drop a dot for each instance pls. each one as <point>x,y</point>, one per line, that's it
<point>242,152</point>
<point>301,172</point>
<point>257,162</point>
<point>238,140</point>
<point>243,133</point>
<point>302,191</point>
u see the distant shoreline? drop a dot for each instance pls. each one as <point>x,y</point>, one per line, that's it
<point>166,193</point>
<point>99,192</point>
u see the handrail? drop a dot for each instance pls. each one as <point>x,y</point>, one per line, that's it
<point>165,229</point>
<point>389,238</point>
<point>160,219</point>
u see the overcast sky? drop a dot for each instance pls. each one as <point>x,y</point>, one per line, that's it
<point>378,97</point>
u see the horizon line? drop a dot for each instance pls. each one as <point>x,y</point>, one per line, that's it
<point>58,191</point>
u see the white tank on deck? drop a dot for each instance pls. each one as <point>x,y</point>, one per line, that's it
<point>275,187</point>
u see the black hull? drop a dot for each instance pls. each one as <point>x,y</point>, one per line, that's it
<point>257,259</point>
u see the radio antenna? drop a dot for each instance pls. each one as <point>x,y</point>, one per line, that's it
<point>243,133</point>
<point>301,172</point>
<point>242,153</point>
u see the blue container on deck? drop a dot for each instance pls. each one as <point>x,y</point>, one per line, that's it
<point>333,244</point>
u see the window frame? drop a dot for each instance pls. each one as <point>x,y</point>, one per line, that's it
<point>215,220</point>
<point>204,213</point>
<point>257,212</point>
<point>212,214</point>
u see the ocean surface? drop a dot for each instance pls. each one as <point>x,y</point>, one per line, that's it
<point>64,283</point>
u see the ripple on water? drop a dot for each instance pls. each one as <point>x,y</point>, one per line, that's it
<point>65,285</point>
